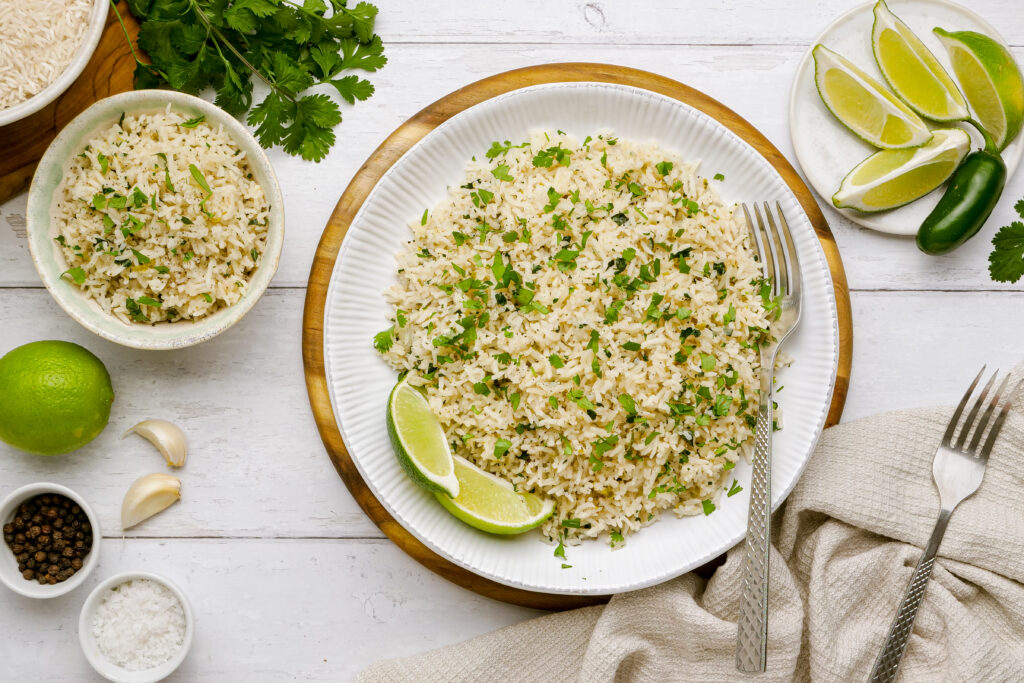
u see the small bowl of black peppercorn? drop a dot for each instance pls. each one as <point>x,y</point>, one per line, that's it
<point>51,540</point>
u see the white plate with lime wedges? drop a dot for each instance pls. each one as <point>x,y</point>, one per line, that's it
<point>828,150</point>
<point>362,385</point>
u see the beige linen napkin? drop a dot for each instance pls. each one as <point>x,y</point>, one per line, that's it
<point>845,545</point>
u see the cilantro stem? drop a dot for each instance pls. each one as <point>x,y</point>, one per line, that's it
<point>221,38</point>
<point>131,46</point>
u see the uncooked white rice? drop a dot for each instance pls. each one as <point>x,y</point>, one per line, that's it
<point>616,417</point>
<point>38,39</point>
<point>141,235</point>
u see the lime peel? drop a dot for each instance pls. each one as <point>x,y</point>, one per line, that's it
<point>891,178</point>
<point>991,80</point>
<point>491,504</point>
<point>864,105</point>
<point>912,71</point>
<point>419,440</point>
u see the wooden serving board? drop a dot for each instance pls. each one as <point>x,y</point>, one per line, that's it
<point>109,72</point>
<point>387,154</point>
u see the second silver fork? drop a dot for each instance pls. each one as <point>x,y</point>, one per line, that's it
<point>958,471</point>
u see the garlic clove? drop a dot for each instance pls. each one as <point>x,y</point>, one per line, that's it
<point>147,496</point>
<point>167,438</point>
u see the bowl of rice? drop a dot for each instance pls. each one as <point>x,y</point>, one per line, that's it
<point>44,46</point>
<point>155,220</point>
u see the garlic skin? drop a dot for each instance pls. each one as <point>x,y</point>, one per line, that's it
<point>147,496</point>
<point>167,438</point>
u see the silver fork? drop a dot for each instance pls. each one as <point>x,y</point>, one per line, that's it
<point>780,265</point>
<point>958,472</point>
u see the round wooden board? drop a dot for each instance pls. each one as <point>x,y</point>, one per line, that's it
<point>387,154</point>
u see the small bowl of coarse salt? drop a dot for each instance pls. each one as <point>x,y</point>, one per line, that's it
<point>136,627</point>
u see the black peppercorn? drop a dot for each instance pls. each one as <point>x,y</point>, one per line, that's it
<point>43,551</point>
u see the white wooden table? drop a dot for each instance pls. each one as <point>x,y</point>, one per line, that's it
<point>288,578</point>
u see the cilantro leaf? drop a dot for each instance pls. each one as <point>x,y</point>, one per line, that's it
<point>383,341</point>
<point>1006,262</point>
<point>291,46</point>
<point>352,88</point>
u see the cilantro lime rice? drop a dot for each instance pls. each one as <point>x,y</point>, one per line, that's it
<point>159,218</point>
<point>585,321</point>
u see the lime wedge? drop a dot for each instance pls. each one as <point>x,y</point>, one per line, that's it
<point>990,79</point>
<point>894,177</point>
<point>419,440</point>
<point>863,105</point>
<point>492,504</point>
<point>912,70</point>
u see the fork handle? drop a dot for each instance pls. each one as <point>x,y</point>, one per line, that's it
<point>752,625</point>
<point>888,662</point>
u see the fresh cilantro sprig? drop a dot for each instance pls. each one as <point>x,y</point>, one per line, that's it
<point>1006,262</point>
<point>292,48</point>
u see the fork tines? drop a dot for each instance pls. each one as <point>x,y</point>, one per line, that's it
<point>779,263</point>
<point>979,426</point>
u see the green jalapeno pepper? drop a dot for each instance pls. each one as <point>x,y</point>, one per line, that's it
<point>972,193</point>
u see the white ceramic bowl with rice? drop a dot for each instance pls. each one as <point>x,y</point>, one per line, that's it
<point>9,573</point>
<point>166,634</point>
<point>167,244</point>
<point>65,32</point>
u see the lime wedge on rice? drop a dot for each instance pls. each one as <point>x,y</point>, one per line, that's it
<point>991,81</point>
<point>894,177</point>
<point>419,441</point>
<point>912,70</point>
<point>863,105</point>
<point>492,504</point>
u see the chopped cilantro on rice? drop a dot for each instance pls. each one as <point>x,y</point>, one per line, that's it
<point>585,321</point>
<point>161,221</point>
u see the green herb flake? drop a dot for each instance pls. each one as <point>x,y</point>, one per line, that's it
<point>501,447</point>
<point>734,489</point>
<point>104,163</point>
<point>192,123</point>
<point>707,362</point>
<point>384,340</point>
<point>501,173</point>
<point>708,506</point>
<point>556,360</point>
<point>167,172</point>
<point>718,176</point>
<point>147,301</point>
<point>664,167</point>
<point>77,274</point>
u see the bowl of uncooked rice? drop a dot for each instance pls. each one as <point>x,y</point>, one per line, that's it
<point>155,220</point>
<point>584,319</point>
<point>44,46</point>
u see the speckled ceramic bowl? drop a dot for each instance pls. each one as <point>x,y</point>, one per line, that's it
<point>97,20</point>
<point>49,260</point>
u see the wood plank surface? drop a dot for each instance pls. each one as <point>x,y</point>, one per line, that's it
<point>285,567</point>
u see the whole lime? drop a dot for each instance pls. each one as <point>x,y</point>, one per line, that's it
<point>55,397</point>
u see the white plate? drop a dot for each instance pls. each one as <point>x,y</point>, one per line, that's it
<point>359,381</point>
<point>827,151</point>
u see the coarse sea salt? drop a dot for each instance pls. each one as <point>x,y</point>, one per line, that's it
<point>140,624</point>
